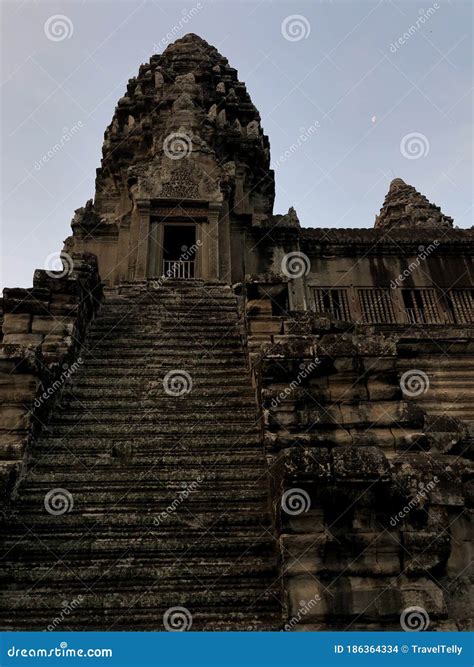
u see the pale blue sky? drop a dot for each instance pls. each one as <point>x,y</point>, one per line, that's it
<point>348,76</point>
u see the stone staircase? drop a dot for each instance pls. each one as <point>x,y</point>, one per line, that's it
<point>167,494</point>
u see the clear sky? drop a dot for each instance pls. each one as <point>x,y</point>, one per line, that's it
<point>362,91</point>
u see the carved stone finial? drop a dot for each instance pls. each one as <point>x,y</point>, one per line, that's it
<point>406,207</point>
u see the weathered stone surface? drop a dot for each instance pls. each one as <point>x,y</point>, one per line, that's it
<point>30,362</point>
<point>392,449</point>
<point>14,323</point>
<point>169,490</point>
<point>358,407</point>
<point>405,207</point>
<point>30,339</point>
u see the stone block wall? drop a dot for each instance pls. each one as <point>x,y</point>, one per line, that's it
<point>371,490</point>
<point>43,328</point>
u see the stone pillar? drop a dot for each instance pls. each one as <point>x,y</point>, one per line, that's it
<point>143,206</point>
<point>224,244</point>
<point>122,258</point>
<point>214,210</point>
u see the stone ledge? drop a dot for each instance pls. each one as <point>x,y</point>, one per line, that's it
<point>43,330</point>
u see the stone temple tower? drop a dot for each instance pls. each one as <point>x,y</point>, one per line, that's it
<point>185,162</point>
<point>214,418</point>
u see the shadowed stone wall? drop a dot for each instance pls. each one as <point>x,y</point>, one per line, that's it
<point>43,328</point>
<point>372,476</point>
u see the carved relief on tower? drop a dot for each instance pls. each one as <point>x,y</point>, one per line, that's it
<point>181,185</point>
<point>185,179</point>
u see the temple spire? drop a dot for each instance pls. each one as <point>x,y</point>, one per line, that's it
<point>406,207</point>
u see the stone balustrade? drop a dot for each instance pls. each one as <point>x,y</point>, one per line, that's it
<point>43,329</point>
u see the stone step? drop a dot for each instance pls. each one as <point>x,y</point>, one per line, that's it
<point>199,357</point>
<point>171,312</point>
<point>231,364</point>
<point>156,399</point>
<point>181,520</point>
<point>201,392</point>
<point>57,460</point>
<point>252,574</point>
<point>88,492</point>
<point>225,513</point>
<point>173,525</point>
<point>197,597</point>
<point>167,457</point>
<point>234,431</point>
<point>146,447</point>
<point>164,357</point>
<point>174,330</point>
<point>238,436</point>
<point>153,302</point>
<point>224,620</point>
<point>204,388</point>
<point>152,306</point>
<point>195,323</point>
<point>32,511</point>
<point>137,297</point>
<point>240,417</point>
<point>156,296</point>
<point>152,484</point>
<point>176,321</point>
<point>187,520</point>
<point>171,292</point>
<point>218,618</point>
<point>122,443</point>
<point>171,318</point>
<point>149,543</point>
<point>170,494</point>
<point>157,442</point>
<point>126,473</point>
<point>146,336</point>
<point>159,346</point>
<point>212,382</point>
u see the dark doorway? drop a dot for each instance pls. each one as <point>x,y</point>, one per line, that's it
<point>179,251</point>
